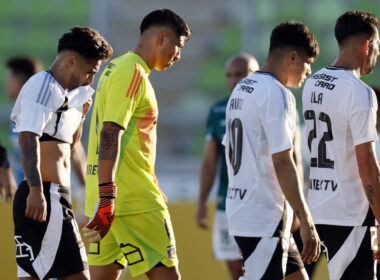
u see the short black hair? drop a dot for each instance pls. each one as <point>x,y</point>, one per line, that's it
<point>294,34</point>
<point>24,66</point>
<point>87,42</point>
<point>355,23</point>
<point>166,17</point>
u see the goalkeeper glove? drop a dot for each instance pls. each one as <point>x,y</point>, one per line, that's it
<point>104,213</point>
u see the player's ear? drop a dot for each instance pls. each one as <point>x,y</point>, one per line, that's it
<point>71,60</point>
<point>365,47</point>
<point>160,38</point>
<point>291,58</point>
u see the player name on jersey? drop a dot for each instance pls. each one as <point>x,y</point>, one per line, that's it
<point>323,81</point>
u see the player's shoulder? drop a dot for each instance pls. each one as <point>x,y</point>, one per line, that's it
<point>36,85</point>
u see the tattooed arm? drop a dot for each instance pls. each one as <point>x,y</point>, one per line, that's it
<point>109,150</point>
<point>30,160</point>
<point>370,175</point>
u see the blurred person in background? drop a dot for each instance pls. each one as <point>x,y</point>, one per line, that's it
<point>340,117</point>
<point>8,184</point>
<point>121,185</point>
<point>224,246</point>
<point>48,115</point>
<point>19,70</point>
<point>262,175</point>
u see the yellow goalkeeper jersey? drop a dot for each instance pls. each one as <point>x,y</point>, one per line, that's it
<point>126,97</point>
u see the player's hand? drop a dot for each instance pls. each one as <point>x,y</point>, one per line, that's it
<point>375,246</point>
<point>201,216</point>
<point>104,213</point>
<point>86,107</point>
<point>36,207</point>
<point>8,184</point>
<point>311,243</point>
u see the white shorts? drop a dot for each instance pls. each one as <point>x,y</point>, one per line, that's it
<point>224,244</point>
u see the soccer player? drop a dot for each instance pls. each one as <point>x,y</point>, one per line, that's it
<point>7,181</point>
<point>19,70</point>
<point>48,116</point>
<point>121,158</point>
<point>261,122</point>
<point>225,247</point>
<point>340,115</point>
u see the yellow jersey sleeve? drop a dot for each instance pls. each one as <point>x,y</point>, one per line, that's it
<point>124,94</point>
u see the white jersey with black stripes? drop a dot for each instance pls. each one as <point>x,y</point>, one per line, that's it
<point>261,121</point>
<point>340,113</point>
<point>43,106</point>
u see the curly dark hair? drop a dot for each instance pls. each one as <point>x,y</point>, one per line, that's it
<point>87,42</point>
<point>166,17</point>
<point>294,34</point>
<point>24,65</point>
<point>355,23</point>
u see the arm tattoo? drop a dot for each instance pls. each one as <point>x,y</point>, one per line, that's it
<point>369,192</point>
<point>109,141</point>
<point>30,157</point>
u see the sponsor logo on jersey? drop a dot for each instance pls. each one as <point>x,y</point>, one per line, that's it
<point>92,169</point>
<point>171,251</point>
<point>323,185</point>
<point>236,193</point>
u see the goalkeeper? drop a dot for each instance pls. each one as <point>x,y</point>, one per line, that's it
<point>121,185</point>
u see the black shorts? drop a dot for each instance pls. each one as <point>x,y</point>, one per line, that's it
<point>348,250</point>
<point>270,258</point>
<point>49,249</point>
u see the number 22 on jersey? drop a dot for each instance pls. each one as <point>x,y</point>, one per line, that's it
<point>321,161</point>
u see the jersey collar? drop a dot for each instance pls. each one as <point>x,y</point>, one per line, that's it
<point>267,73</point>
<point>141,61</point>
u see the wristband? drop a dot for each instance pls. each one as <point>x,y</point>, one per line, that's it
<point>107,190</point>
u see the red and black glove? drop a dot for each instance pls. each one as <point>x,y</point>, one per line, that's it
<point>104,213</point>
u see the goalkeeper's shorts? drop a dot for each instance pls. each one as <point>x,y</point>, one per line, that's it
<point>141,241</point>
<point>51,249</point>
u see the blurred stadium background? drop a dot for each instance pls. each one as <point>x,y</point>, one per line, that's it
<point>184,92</point>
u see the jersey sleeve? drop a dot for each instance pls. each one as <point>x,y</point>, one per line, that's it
<point>362,118</point>
<point>31,112</point>
<point>210,126</point>
<point>277,121</point>
<point>124,92</point>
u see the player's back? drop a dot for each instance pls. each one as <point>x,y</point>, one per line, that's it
<point>258,112</point>
<point>339,110</point>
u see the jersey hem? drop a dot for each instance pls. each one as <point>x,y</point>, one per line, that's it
<point>256,234</point>
<point>127,213</point>
<point>281,149</point>
<point>27,129</point>
<point>338,223</point>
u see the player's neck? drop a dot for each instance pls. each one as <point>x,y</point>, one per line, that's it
<point>144,50</point>
<point>349,60</point>
<point>58,74</point>
<point>276,70</point>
